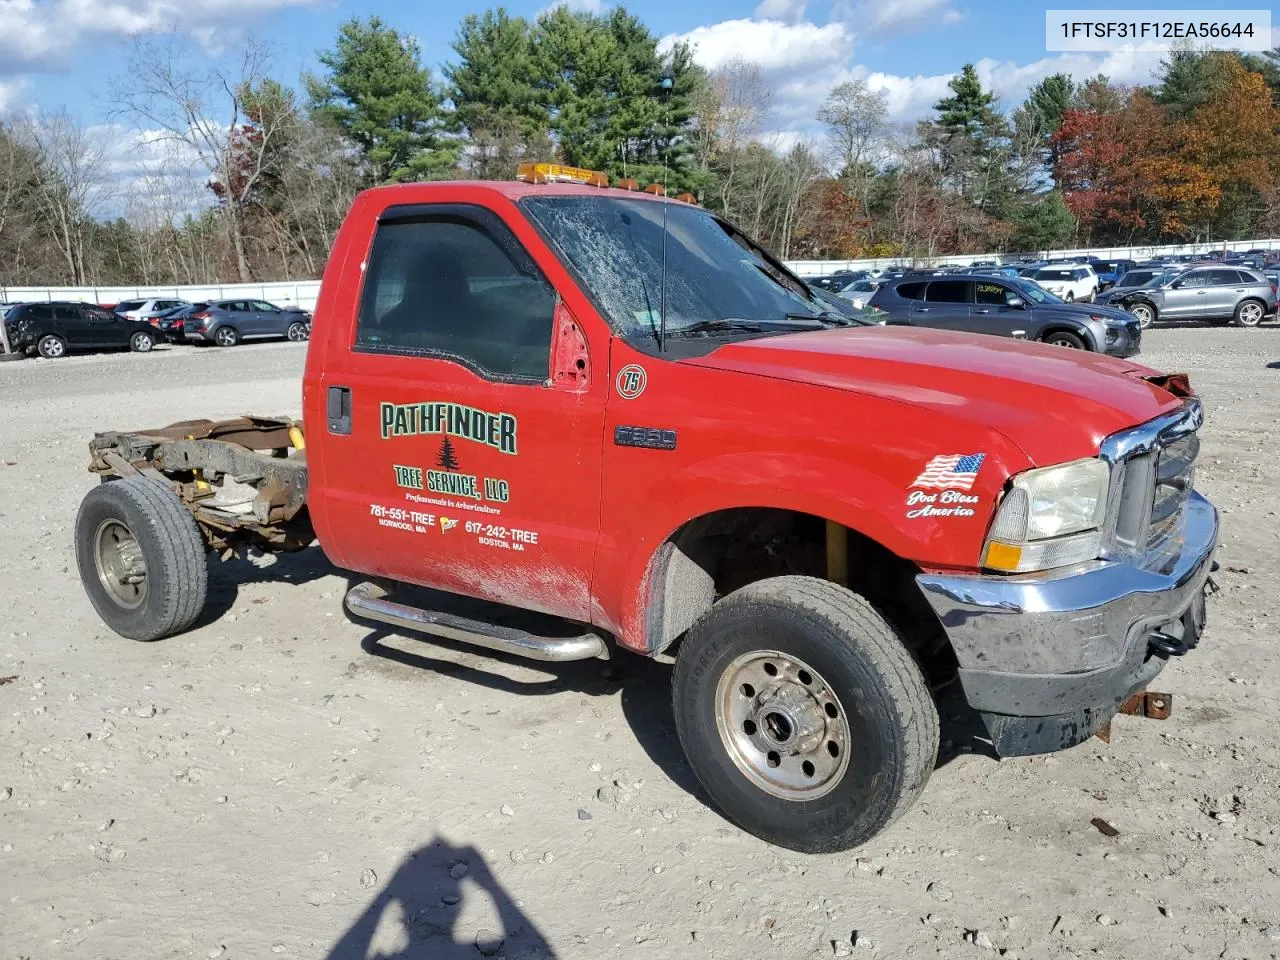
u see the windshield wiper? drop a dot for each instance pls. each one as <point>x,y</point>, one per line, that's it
<point>826,317</point>
<point>732,325</point>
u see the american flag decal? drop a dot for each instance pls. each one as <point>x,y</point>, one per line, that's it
<point>954,471</point>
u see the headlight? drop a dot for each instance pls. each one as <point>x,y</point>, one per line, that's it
<point>1050,518</point>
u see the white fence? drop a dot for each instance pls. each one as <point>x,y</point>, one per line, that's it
<point>303,293</point>
<point>300,293</point>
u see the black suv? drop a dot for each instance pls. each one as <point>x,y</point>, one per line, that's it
<point>52,329</point>
<point>1008,307</point>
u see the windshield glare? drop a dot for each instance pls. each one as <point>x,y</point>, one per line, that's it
<point>615,246</point>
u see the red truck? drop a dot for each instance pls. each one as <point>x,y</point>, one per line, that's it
<point>616,411</point>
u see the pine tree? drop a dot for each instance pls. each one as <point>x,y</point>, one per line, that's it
<point>378,93</point>
<point>447,460</point>
<point>496,101</point>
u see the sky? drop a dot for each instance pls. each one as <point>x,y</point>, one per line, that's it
<point>63,53</point>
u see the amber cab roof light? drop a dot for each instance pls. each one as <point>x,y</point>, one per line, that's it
<point>559,173</point>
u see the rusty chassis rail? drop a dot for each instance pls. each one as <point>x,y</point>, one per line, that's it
<point>244,480</point>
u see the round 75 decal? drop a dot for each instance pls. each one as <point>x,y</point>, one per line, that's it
<point>631,381</point>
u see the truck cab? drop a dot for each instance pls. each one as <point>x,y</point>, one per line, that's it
<point>615,409</point>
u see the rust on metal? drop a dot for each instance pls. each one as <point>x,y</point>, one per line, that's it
<point>1104,734</point>
<point>1147,703</point>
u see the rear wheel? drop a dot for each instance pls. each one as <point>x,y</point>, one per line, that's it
<point>142,342</point>
<point>1070,297</point>
<point>1064,338</point>
<point>51,347</point>
<point>803,715</point>
<point>1249,313</point>
<point>298,331</point>
<point>141,558</point>
<point>1144,313</point>
<point>226,336</point>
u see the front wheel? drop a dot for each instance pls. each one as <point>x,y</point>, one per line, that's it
<point>141,558</point>
<point>298,331</point>
<point>51,347</point>
<point>803,715</point>
<point>142,342</point>
<point>1064,338</point>
<point>1144,313</point>
<point>1249,313</point>
<point>226,336</point>
<point>1070,297</point>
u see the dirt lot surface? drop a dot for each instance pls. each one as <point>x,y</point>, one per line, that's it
<point>282,782</point>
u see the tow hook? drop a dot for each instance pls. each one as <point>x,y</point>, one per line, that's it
<point>1144,703</point>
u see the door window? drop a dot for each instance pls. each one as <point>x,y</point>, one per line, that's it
<point>1198,279</point>
<point>994,294</point>
<point>1222,278</point>
<point>39,312</point>
<point>457,284</point>
<point>950,291</point>
<point>67,313</point>
<point>263,306</point>
<point>911,291</point>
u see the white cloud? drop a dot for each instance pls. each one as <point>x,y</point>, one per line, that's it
<point>38,36</point>
<point>772,44</point>
<point>788,11</point>
<point>11,95</point>
<point>573,6</point>
<point>897,16</point>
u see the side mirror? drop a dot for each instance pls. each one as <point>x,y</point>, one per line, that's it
<point>1176,285</point>
<point>1016,302</point>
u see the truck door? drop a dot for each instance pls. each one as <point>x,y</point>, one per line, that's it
<point>455,458</point>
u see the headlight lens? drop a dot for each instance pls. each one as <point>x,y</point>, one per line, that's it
<point>1050,518</point>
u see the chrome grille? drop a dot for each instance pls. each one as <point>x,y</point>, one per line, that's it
<point>1153,472</point>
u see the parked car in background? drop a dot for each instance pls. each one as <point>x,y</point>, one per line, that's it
<point>227,322</point>
<point>835,281</point>
<point>1008,307</point>
<point>1110,271</point>
<point>859,292</point>
<point>1070,282</point>
<point>146,309</point>
<point>1136,279</point>
<point>1217,294</point>
<point>54,329</point>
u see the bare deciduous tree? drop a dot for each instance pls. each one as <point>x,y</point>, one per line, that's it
<point>188,100</point>
<point>72,185</point>
<point>856,119</point>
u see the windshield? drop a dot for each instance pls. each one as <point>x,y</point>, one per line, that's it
<point>1053,274</point>
<point>1037,293</point>
<point>615,246</point>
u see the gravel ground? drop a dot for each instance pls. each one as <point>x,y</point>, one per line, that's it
<point>283,782</point>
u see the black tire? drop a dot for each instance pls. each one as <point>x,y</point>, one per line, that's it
<point>51,347</point>
<point>226,336</point>
<point>142,342</point>
<point>1065,338</point>
<point>1249,313</point>
<point>297,332</point>
<point>173,552</point>
<point>1070,297</point>
<point>1144,312</point>
<point>891,719</point>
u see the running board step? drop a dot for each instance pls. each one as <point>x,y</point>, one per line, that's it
<point>370,601</point>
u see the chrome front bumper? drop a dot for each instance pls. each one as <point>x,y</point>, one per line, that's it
<point>1067,649</point>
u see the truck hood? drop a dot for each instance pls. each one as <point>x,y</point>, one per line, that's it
<point>1055,404</point>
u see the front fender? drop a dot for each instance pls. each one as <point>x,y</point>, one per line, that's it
<point>870,503</point>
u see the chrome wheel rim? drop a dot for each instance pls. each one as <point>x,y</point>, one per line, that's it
<point>297,332</point>
<point>1251,314</point>
<point>122,568</point>
<point>225,337</point>
<point>1144,315</point>
<point>783,725</point>
<point>54,348</point>
<point>141,342</point>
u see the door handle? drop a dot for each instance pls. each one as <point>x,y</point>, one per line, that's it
<point>1202,293</point>
<point>982,310</point>
<point>338,410</point>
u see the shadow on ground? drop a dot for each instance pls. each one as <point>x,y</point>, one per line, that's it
<point>416,915</point>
